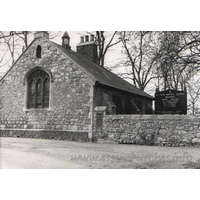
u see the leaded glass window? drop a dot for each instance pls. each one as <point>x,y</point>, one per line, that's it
<point>38,89</point>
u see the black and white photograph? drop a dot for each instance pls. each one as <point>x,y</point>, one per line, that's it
<point>89,114</point>
<point>115,100</point>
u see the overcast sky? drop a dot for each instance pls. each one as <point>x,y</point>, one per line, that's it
<point>113,56</point>
<point>74,40</point>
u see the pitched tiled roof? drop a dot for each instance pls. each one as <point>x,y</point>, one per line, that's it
<point>101,74</point>
<point>98,73</point>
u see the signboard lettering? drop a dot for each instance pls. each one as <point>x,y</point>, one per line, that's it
<point>171,102</point>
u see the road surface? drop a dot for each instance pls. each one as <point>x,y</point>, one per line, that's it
<point>19,153</point>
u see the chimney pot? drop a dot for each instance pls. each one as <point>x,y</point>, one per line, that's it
<point>91,37</point>
<point>82,39</point>
<point>87,38</point>
<point>88,48</point>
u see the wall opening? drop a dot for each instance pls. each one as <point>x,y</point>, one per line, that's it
<point>39,52</point>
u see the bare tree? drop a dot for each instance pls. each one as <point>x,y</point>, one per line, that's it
<point>13,43</point>
<point>10,43</point>
<point>142,51</point>
<point>194,96</point>
<point>25,37</point>
<point>105,41</point>
<point>172,58</point>
<point>179,57</point>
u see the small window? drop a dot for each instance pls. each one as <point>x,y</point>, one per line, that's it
<point>39,52</point>
<point>38,90</point>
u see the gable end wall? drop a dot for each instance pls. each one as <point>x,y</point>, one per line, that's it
<point>69,95</point>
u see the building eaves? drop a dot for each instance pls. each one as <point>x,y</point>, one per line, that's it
<point>95,71</point>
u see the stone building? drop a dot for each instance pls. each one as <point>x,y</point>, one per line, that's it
<point>53,92</point>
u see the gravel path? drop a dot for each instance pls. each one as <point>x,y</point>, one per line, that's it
<point>18,153</point>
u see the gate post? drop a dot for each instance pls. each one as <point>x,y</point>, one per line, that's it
<point>100,112</point>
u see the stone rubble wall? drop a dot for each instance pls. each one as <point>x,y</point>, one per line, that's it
<point>161,130</point>
<point>46,134</point>
<point>69,93</point>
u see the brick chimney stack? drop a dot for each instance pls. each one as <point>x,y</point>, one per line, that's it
<point>88,47</point>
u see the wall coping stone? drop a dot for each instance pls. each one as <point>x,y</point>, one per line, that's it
<point>38,130</point>
<point>100,109</point>
<point>154,117</point>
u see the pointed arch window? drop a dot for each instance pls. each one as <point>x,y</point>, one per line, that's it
<point>39,52</point>
<point>38,90</point>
